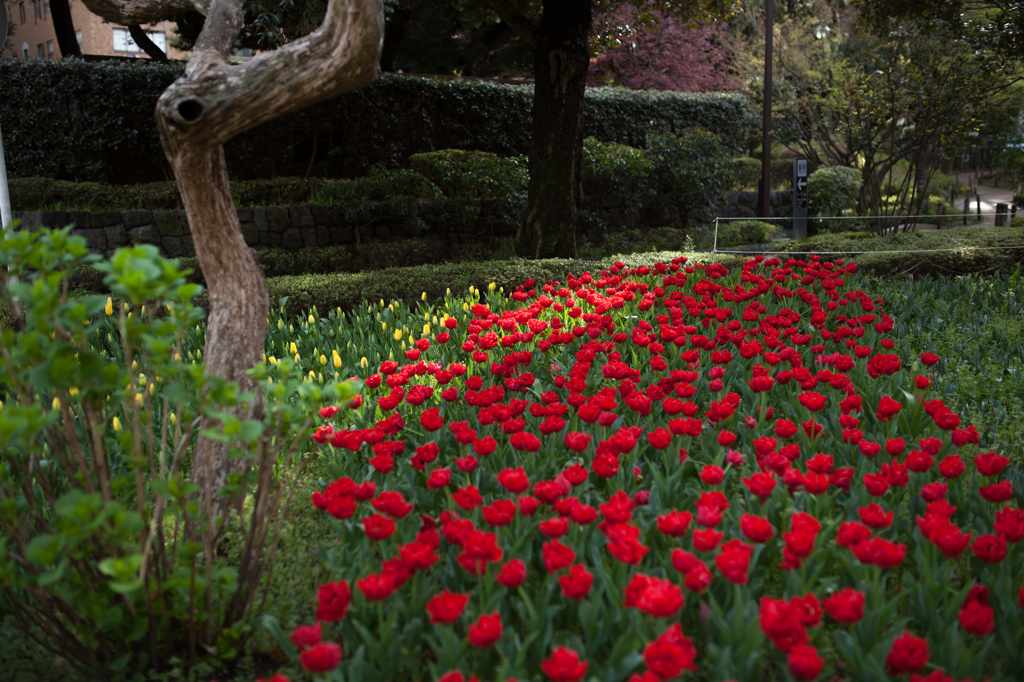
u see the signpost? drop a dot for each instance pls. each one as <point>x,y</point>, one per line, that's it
<point>5,199</point>
<point>799,198</point>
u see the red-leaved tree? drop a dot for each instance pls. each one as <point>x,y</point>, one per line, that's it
<point>656,50</point>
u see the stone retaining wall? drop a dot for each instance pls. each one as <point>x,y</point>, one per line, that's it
<point>295,227</point>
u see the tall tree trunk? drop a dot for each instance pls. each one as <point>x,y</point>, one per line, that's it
<point>556,147</point>
<point>64,28</point>
<point>210,104</point>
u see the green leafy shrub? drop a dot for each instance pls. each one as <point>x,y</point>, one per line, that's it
<point>963,250</point>
<point>690,170</point>
<point>476,184</point>
<point>44,194</point>
<point>615,169</point>
<point>99,122</point>
<point>831,191</point>
<point>383,196</point>
<point>747,173</point>
<point>740,232</point>
<point>107,552</point>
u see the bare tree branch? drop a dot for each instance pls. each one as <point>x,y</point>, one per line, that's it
<point>141,39</point>
<point>215,100</point>
<point>132,12</point>
<point>524,27</point>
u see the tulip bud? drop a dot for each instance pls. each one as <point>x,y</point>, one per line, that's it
<point>56,403</point>
<point>116,423</point>
<point>323,359</point>
<point>109,309</point>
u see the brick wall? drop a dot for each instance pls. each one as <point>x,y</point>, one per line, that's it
<point>97,34</point>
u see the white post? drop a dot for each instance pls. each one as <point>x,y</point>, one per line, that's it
<point>5,197</point>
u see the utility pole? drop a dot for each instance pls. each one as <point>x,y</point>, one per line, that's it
<point>5,200</point>
<point>764,208</point>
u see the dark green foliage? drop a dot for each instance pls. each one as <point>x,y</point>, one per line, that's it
<point>476,184</point>
<point>740,232</point>
<point>976,325</point>
<point>691,169</point>
<point>747,173</point>
<point>99,122</point>
<point>975,250</point>
<point>41,194</point>
<point>383,196</point>
<point>615,169</point>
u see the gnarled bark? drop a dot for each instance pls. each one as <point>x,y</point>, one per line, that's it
<point>211,103</point>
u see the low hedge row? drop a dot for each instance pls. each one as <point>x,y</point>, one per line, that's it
<point>348,290</point>
<point>44,194</point>
<point>98,122</point>
<point>956,251</point>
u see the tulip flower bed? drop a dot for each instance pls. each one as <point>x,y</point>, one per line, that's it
<point>665,471</point>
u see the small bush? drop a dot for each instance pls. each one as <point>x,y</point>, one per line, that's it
<point>831,191</point>
<point>690,170</point>
<point>476,184</point>
<point>741,232</point>
<point>383,196</point>
<point>747,173</point>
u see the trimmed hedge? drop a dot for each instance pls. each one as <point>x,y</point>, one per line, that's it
<point>965,259</point>
<point>348,290</point>
<point>70,119</point>
<point>44,194</point>
<point>740,232</point>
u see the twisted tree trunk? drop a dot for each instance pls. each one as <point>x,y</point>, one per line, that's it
<point>211,103</point>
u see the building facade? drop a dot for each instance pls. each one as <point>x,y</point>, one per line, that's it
<point>34,36</point>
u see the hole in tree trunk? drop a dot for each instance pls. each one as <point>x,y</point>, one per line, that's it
<point>190,110</point>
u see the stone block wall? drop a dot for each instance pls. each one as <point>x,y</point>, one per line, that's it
<point>295,227</point>
<point>289,227</point>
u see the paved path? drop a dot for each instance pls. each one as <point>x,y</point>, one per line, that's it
<point>990,196</point>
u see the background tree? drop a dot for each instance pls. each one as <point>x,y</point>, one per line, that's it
<point>208,105</point>
<point>660,51</point>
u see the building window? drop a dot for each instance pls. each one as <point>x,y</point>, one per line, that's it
<point>24,50</point>
<point>49,50</point>
<point>41,51</point>
<point>78,37</point>
<point>46,8</point>
<point>38,7</point>
<point>21,11</point>
<point>123,41</point>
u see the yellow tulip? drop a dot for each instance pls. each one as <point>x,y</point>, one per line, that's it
<point>1,406</point>
<point>73,391</point>
<point>142,380</point>
<point>311,319</point>
<point>292,350</point>
<point>56,403</point>
<point>152,389</point>
<point>426,330</point>
<point>491,286</point>
<point>297,359</point>
<point>139,399</point>
<point>398,334</point>
<point>383,326</point>
<point>362,362</point>
<point>323,359</point>
<point>109,309</point>
<point>465,307</point>
<point>173,419</point>
<point>424,296</point>
<point>336,360</point>
<point>117,423</point>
